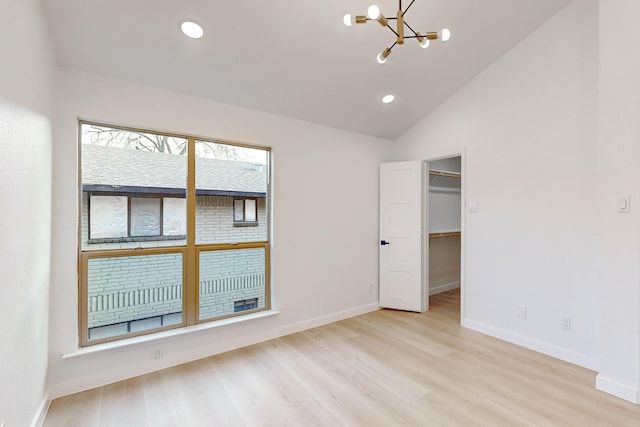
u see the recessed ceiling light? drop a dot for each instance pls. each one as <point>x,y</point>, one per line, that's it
<point>191,29</point>
<point>387,99</point>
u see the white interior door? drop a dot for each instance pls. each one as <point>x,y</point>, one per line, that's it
<point>402,285</point>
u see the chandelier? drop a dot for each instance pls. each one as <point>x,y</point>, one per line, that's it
<point>374,14</point>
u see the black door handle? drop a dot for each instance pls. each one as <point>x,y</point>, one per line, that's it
<point>384,242</point>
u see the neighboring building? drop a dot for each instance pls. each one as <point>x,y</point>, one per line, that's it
<point>126,205</point>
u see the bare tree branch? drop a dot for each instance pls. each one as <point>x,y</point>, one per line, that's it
<point>158,143</point>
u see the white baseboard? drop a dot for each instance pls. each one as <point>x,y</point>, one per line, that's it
<point>323,320</point>
<point>41,414</point>
<point>616,389</point>
<point>561,353</point>
<point>443,288</point>
<point>101,378</point>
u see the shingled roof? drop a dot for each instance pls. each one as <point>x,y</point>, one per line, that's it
<point>112,169</point>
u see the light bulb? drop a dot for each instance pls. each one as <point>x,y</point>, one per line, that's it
<point>446,34</point>
<point>191,29</point>
<point>425,43</point>
<point>373,12</point>
<point>347,20</point>
<point>387,99</point>
<point>382,56</point>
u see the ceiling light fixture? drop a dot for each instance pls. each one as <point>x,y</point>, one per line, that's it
<point>374,14</point>
<point>191,29</point>
<point>387,99</point>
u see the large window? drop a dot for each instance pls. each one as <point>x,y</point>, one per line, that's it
<point>173,231</point>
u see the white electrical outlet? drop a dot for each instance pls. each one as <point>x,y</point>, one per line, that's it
<point>156,353</point>
<point>370,288</point>
<point>566,323</point>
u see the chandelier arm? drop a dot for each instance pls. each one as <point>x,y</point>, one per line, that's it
<point>410,4</point>
<point>392,30</point>
<point>408,26</point>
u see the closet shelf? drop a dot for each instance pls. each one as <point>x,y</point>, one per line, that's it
<point>444,174</point>
<point>443,235</point>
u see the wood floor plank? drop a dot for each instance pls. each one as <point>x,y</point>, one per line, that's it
<point>160,399</point>
<point>493,414</point>
<point>386,368</point>
<point>258,399</point>
<point>76,410</point>
<point>266,393</point>
<point>394,377</point>
<point>125,402</point>
<point>352,397</point>
<point>421,342</point>
<point>203,396</point>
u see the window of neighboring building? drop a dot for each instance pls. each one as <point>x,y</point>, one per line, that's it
<point>245,212</point>
<point>245,304</point>
<point>133,219</point>
<point>157,248</point>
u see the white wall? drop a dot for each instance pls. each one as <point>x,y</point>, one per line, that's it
<point>528,124</point>
<point>618,176</point>
<point>25,214</point>
<point>325,251</point>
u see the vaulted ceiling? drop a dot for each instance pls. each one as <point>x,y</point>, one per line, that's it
<point>295,58</point>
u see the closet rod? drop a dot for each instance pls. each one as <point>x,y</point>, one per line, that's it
<point>444,174</point>
<point>443,235</point>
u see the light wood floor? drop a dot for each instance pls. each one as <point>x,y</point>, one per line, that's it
<point>385,368</point>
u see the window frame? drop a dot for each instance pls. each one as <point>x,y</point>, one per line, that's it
<point>190,250</point>
<point>83,292</point>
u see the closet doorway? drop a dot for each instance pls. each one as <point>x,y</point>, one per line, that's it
<point>421,232</point>
<point>444,206</point>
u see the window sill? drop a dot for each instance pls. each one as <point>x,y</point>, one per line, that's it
<point>127,342</point>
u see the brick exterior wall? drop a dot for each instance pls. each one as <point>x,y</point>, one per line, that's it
<point>214,224</point>
<point>121,289</point>
<point>132,293</point>
<point>229,276</point>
